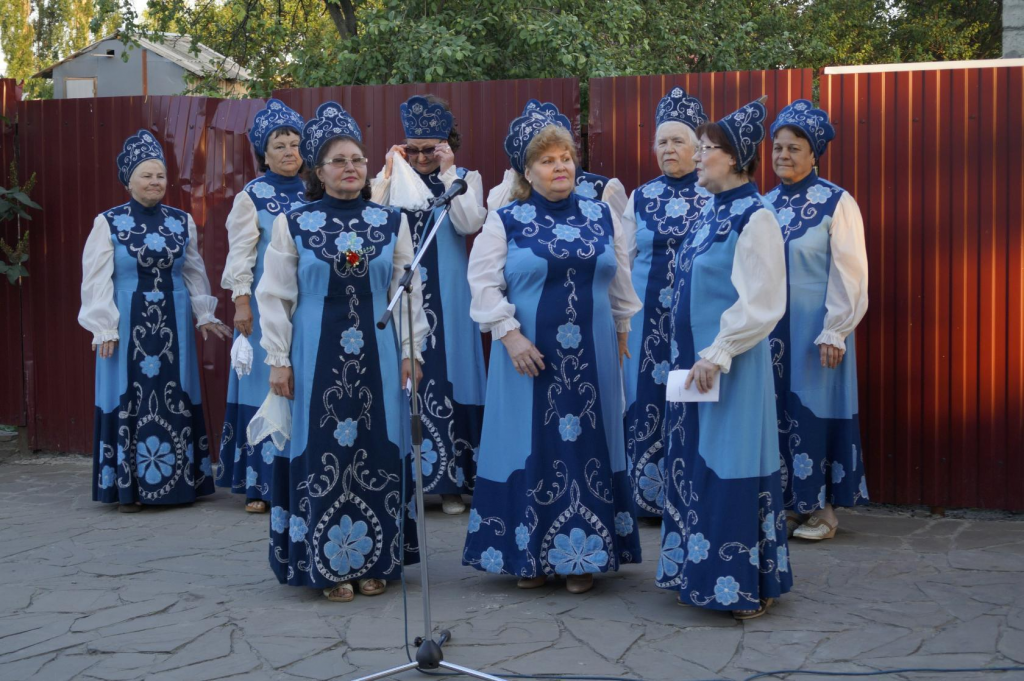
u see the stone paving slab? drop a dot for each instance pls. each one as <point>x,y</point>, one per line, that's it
<point>186,593</point>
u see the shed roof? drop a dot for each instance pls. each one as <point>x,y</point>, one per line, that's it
<point>175,48</point>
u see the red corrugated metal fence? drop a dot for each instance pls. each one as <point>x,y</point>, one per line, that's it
<point>12,386</point>
<point>936,161</point>
<point>483,110</point>
<point>621,130</point>
<point>72,145</point>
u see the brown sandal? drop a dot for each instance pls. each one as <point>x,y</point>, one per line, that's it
<point>340,593</point>
<point>129,508</point>
<point>532,582</point>
<point>372,587</point>
<point>255,506</point>
<point>741,615</point>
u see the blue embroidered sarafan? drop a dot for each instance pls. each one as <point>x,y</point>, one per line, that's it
<point>274,116</point>
<point>150,437</point>
<point>138,149</point>
<point>723,543</point>
<point>454,378</point>
<point>665,209</point>
<point>423,120</point>
<point>552,494</point>
<point>336,504</point>
<point>811,120</point>
<point>246,467</point>
<point>819,424</point>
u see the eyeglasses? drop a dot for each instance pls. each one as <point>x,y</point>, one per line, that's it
<point>705,148</point>
<point>341,162</point>
<point>426,151</point>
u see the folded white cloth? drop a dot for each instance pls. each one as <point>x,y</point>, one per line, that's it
<point>273,420</point>
<point>241,356</point>
<point>407,189</point>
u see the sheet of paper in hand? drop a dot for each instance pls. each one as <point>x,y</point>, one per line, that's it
<point>677,393</point>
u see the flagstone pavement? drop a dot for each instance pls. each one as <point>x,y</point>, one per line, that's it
<point>186,593</point>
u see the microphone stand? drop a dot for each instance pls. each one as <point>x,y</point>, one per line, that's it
<point>428,656</point>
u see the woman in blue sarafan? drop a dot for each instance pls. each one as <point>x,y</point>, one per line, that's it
<point>453,387</point>
<point>337,510</point>
<point>246,467</point>
<point>588,185</point>
<point>550,281</point>
<point>813,350</point>
<point>657,220</point>
<point>723,539</point>
<point>142,281</point>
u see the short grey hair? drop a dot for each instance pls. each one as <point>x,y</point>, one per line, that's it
<point>689,134</point>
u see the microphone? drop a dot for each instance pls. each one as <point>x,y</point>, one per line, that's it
<point>458,188</point>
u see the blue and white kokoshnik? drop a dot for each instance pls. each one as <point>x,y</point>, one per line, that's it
<point>331,120</point>
<point>138,149</point>
<point>812,121</point>
<point>521,131</point>
<point>745,130</point>
<point>274,116</point>
<point>423,120</point>
<point>679,107</point>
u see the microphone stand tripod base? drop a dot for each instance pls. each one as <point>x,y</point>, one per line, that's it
<point>429,656</point>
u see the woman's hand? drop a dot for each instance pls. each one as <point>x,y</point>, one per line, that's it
<point>217,329</point>
<point>407,365</point>
<point>703,373</point>
<point>243,315</point>
<point>831,356</point>
<point>389,159</point>
<point>624,347</point>
<point>282,382</point>
<point>106,348</point>
<point>446,156</point>
<point>526,358</point>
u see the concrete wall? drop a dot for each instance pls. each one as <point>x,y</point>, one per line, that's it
<point>116,78</point>
<point>1013,28</point>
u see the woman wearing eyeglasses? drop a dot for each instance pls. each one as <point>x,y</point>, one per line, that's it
<point>246,466</point>
<point>331,268</point>
<point>813,346</point>
<point>656,223</point>
<point>723,542</point>
<point>452,392</point>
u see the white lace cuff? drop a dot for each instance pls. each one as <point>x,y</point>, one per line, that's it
<point>831,338</point>
<point>718,354</point>
<point>499,329</point>
<point>278,359</point>
<point>104,336</point>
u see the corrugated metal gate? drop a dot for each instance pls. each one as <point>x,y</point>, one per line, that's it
<point>72,146</point>
<point>621,129</point>
<point>12,387</point>
<point>934,159</point>
<point>483,110</point>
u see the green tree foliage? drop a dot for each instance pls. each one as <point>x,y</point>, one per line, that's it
<point>327,42</point>
<point>17,37</point>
